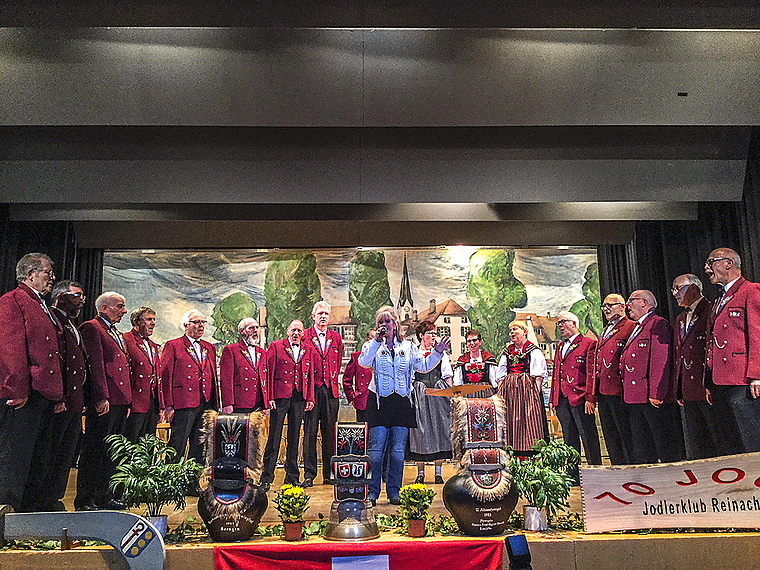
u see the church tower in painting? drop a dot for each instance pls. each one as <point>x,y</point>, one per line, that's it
<point>405,306</point>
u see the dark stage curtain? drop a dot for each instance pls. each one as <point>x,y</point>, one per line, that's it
<point>660,251</point>
<point>56,239</point>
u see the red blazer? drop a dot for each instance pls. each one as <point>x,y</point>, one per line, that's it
<point>244,385</point>
<point>733,347</point>
<point>574,372</point>
<point>29,358</point>
<point>646,364</point>
<point>183,377</point>
<point>690,348</point>
<point>144,374</point>
<point>75,357</point>
<point>356,381</point>
<point>607,359</point>
<point>327,364</point>
<point>109,366</point>
<point>284,372</point>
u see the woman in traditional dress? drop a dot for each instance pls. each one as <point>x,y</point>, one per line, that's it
<point>476,366</point>
<point>389,410</point>
<point>431,439</point>
<point>521,374</point>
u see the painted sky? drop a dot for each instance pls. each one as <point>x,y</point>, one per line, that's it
<point>172,282</point>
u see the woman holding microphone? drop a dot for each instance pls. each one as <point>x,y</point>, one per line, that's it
<point>389,411</point>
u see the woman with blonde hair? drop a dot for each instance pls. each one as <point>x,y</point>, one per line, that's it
<point>521,375</point>
<point>389,410</point>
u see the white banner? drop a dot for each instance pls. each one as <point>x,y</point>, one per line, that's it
<point>708,493</point>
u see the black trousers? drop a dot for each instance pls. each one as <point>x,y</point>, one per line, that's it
<point>741,417</point>
<point>186,427</point>
<point>656,433</point>
<point>20,432</point>
<point>95,466</point>
<point>579,426</point>
<point>700,434</point>
<point>361,416</point>
<point>323,417</point>
<point>138,424</point>
<point>613,415</point>
<point>294,409</point>
<point>52,465</point>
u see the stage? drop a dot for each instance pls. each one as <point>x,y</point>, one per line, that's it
<point>549,550</point>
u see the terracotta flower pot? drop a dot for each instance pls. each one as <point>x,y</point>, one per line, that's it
<point>292,530</point>
<point>416,528</point>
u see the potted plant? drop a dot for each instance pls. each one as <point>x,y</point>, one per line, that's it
<point>291,502</point>
<point>146,473</point>
<point>415,502</point>
<point>542,480</point>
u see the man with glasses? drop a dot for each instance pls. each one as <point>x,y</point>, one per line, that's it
<point>109,404</point>
<point>31,382</point>
<point>690,339</point>
<point>188,381</point>
<point>646,366</point>
<point>608,383</point>
<point>570,397</point>
<point>732,371</point>
<point>52,462</point>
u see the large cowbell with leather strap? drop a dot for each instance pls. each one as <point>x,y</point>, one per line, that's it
<point>351,515</point>
<point>231,502</point>
<point>481,495</point>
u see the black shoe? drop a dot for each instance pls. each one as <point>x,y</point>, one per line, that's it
<point>91,506</point>
<point>113,505</point>
<point>420,478</point>
<point>193,492</point>
<point>395,500</point>
<point>307,483</point>
<point>264,487</point>
<point>439,480</point>
<point>374,502</point>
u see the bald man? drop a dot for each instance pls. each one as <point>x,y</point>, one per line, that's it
<point>646,367</point>
<point>732,374</point>
<point>109,402</point>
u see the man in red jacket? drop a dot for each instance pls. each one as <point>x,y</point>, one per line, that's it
<point>147,399</point>
<point>573,371</point>
<point>52,463</point>
<point>356,381</point>
<point>31,382</point>
<point>290,363</point>
<point>689,340</point>
<point>608,385</point>
<point>732,373</point>
<point>188,381</point>
<point>243,372</point>
<point>328,348</point>
<point>109,404</point>
<point>646,367</point>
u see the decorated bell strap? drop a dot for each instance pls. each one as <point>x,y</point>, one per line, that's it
<point>476,421</point>
<point>488,476</point>
<point>481,420</point>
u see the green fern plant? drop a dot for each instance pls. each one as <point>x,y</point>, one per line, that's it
<point>146,473</point>
<point>542,479</point>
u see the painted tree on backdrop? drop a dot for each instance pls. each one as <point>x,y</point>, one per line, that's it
<point>493,292</point>
<point>291,287</point>
<point>368,290</point>
<point>587,309</point>
<point>229,312</point>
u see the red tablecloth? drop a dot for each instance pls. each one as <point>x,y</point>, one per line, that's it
<point>372,555</point>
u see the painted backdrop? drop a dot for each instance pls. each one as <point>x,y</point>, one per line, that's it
<point>457,288</point>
